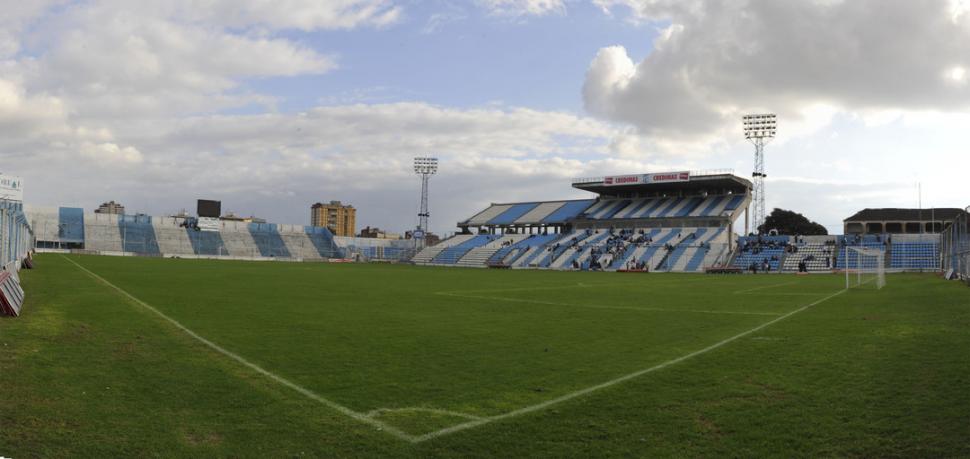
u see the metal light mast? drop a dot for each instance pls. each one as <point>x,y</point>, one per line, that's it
<point>425,167</point>
<point>759,130</point>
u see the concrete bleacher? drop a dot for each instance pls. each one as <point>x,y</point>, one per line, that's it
<point>452,254</point>
<point>509,254</point>
<point>102,233</point>
<point>113,234</point>
<point>914,252</point>
<point>852,260</point>
<point>479,256</point>
<point>71,224</point>
<point>427,254</point>
<point>138,234</point>
<point>171,238</point>
<point>815,251</point>
<point>758,249</point>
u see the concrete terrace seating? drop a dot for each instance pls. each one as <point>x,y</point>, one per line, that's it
<point>427,254</point>
<point>102,233</point>
<point>71,224</point>
<point>452,254</point>
<point>814,255</point>
<point>138,234</point>
<point>45,223</point>
<point>171,239</point>
<point>479,256</point>
<point>870,241</point>
<point>509,254</point>
<point>268,240</point>
<point>206,242</point>
<point>757,249</point>
<point>915,255</point>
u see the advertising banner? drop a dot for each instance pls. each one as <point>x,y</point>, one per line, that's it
<point>660,177</point>
<point>617,180</point>
<point>11,188</point>
<point>209,224</point>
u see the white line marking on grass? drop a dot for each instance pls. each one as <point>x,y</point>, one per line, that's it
<point>782,294</point>
<point>457,414</point>
<point>577,285</point>
<point>612,382</point>
<point>279,379</point>
<point>764,287</point>
<point>603,306</point>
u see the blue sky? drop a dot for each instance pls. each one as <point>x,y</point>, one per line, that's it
<point>272,106</point>
<point>468,58</point>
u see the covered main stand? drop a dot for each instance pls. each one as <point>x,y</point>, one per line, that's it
<point>680,199</point>
<point>703,199</point>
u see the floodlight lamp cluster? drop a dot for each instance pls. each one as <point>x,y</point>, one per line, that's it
<point>425,165</point>
<point>761,126</point>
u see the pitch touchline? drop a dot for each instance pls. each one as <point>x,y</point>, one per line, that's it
<point>564,286</point>
<point>602,306</point>
<point>613,382</point>
<point>764,287</point>
<point>279,379</point>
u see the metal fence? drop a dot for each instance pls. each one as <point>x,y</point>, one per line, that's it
<point>955,247</point>
<point>16,237</point>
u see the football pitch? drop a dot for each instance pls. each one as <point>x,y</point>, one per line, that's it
<point>168,357</point>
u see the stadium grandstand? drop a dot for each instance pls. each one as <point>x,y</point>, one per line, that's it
<point>679,222</point>
<point>673,221</point>
<point>73,229</point>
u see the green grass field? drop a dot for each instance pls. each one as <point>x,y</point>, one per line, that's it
<point>339,360</point>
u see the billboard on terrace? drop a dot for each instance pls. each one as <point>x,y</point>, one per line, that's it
<point>11,187</point>
<point>641,179</point>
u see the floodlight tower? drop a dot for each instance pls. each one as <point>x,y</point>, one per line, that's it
<point>425,167</point>
<point>759,130</point>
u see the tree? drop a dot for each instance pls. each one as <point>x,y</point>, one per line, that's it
<point>789,222</point>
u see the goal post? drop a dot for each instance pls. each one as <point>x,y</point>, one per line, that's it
<point>865,267</point>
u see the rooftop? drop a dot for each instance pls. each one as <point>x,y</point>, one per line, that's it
<point>944,213</point>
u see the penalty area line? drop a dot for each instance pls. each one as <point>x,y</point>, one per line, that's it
<point>604,306</point>
<point>361,417</point>
<point>613,382</point>
<point>763,287</point>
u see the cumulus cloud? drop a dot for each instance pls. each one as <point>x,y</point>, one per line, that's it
<point>807,60</point>
<point>518,8</point>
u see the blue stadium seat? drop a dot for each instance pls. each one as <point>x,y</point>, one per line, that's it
<point>268,240</point>
<point>138,234</point>
<point>70,227</point>
<point>451,255</point>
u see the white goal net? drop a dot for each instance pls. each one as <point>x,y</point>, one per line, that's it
<point>865,268</point>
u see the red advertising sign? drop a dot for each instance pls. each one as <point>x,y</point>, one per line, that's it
<point>669,177</point>
<point>623,180</point>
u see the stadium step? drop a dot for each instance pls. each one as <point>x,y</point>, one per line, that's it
<point>477,257</point>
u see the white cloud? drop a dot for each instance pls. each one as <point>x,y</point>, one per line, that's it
<point>358,153</point>
<point>517,8</point>
<point>713,61</point>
